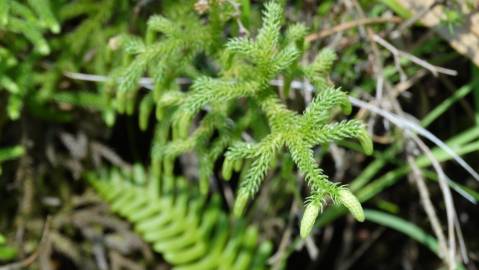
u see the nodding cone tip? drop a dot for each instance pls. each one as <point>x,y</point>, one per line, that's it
<point>184,125</point>
<point>351,202</point>
<point>227,169</point>
<point>55,28</point>
<point>43,48</point>
<point>238,164</point>
<point>366,142</point>
<point>309,218</point>
<point>204,185</point>
<point>240,204</point>
<point>346,107</point>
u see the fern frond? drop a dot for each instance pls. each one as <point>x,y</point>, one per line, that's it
<point>188,231</point>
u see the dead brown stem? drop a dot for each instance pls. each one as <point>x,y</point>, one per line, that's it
<point>349,25</point>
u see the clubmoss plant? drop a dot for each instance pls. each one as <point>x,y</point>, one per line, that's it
<point>223,105</point>
<point>22,22</point>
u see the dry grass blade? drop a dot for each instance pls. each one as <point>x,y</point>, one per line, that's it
<point>435,70</point>
<point>452,224</point>
<point>406,124</point>
<point>31,259</point>
<point>464,36</point>
<point>349,25</point>
<point>430,210</point>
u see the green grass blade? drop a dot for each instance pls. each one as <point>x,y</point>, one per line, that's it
<point>397,7</point>
<point>390,178</point>
<point>446,104</point>
<point>403,226</point>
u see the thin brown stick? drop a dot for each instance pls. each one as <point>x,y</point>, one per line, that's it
<point>276,259</point>
<point>376,60</point>
<point>351,24</point>
<point>361,250</point>
<point>429,207</point>
<point>409,22</point>
<point>448,199</point>
<point>32,258</point>
<point>435,70</point>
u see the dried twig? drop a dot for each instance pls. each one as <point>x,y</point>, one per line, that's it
<point>349,262</point>
<point>409,22</point>
<point>31,259</point>
<point>406,124</point>
<point>450,210</point>
<point>145,82</point>
<point>277,259</point>
<point>405,85</point>
<point>118,262</point>
<point>237,7</point>
<point>429,208</point>
<point>349,25</point>
<point>377,63</point>
<point>435,70</point>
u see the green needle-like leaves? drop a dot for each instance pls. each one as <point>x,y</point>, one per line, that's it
<point>212,116</point>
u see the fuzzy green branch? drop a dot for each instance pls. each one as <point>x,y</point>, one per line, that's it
<point>244,67</point>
